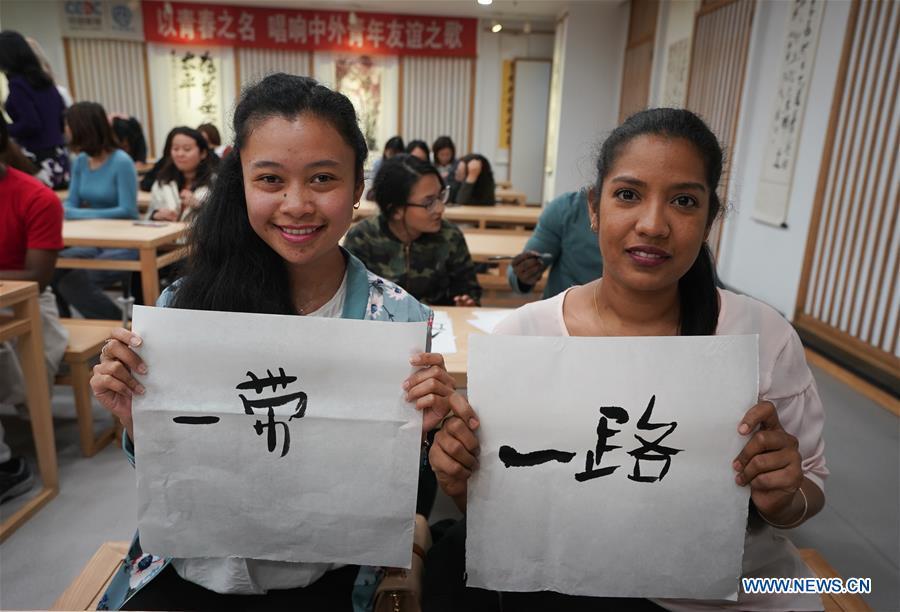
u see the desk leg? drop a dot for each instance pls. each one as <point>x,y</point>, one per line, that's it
<point>149,276</point>
<point>31,356</point>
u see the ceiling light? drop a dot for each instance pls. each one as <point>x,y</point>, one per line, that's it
<point>496,27</point>
<point>485,2</point>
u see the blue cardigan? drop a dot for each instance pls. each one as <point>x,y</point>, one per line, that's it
<point>564,231</point>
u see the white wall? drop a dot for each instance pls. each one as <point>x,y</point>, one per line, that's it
<point>41,21</point>
<point>756,258</point>
<point>591,78</point>
<point>493,49</point>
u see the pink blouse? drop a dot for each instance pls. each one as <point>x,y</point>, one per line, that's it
<point>786,381</point>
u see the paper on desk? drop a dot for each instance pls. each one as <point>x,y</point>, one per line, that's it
<point>540,526</point>
<point>487,320</point>
<point>443,340</point>
<point>335,482</point>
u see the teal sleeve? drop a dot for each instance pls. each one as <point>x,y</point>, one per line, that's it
<point>547,238</point>
<point>71,203</point>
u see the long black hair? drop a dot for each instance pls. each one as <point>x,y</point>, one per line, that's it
<point>395,145</point>
<point>697,294</point>
<point>170,172</point>
<point>18,59</point>
<point>230,267</point>
<point>412,145</point>
<point>396,179</point>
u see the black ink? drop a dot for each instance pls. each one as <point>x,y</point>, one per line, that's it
<point>259,385</point>
<point>604,433</point>
<point>196,420</point>
<point>652,451</point>
<point>271,425</point>
<point>513,458</point>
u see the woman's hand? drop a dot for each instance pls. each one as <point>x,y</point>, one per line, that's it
<point>473,171</point>
<point>770,464</point>
<point>430,388</point>
<point>528,267</point>
<point>464,300</point>
<point>454,453</point>
<point>164,214</point>
<point>187,198</point>
<point>459,173</point>
<point>112,381</point>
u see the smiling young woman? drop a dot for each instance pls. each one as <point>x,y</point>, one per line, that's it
<point>267,242</point>
<point>652,206</point>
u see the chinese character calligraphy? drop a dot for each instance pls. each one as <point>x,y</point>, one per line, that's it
<point>648,451</point>
<point>259,385</point>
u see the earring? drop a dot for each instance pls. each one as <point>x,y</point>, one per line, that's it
<point>356,206</point>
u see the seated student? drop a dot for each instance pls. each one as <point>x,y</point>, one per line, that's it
<point>653,204</point>
<point>30,237</point>
<point>409,242</point>
<point>419,148</point>
<point>36,109</point>
<point>564,234</point>
<point>394,146</point>
<point>300,168</point>
<point>444,152</point>
<point>104,186</point>
<point>211,134</point>
<point>473,181</point>
<point>149,177</point>
<point>184,181</point>
<point>130,137</point>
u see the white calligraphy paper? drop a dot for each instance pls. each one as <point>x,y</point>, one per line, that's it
<point>443,340</point>
<point>660,524</point>
<point>324,466</point>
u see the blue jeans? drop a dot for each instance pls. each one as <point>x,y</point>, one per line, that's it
<point>83,289</point>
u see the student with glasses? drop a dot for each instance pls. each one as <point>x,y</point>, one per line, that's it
<point>409,242</point>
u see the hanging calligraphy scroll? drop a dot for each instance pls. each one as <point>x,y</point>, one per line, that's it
<point>309,30</point>
<point>797,57</point>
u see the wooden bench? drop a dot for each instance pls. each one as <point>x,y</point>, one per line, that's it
<point>841,602</point>
<point>88,587</point>
<point>86,338</point>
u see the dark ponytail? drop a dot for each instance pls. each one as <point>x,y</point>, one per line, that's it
<point>698,296</point>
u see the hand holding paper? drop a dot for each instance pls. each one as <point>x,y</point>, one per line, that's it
<point>635,471</point>
<point>769,463</point>
<point>276,438</point>
<point>113,383</point>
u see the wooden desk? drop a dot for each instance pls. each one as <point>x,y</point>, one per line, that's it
<point>124,234</point>
<point>22,297</point>
<point>507,195</point>
<point>457,363</point>
<point>502,214</point>
<point>484,244</point>
<point>143,199</point>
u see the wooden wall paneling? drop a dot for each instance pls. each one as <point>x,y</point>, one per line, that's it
<point>868,190</point>
<point>809,279</point>
<point>836,184</point>
<point>860,136</point>
<point>848,299</point>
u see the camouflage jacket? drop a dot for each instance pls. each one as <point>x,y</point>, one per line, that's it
<point>434,268</point>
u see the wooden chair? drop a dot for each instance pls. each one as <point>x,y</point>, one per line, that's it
<point>86,338</point>
<point>88,587</point>
<point>841,602</point>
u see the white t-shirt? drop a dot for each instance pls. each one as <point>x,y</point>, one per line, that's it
<point>786,381</point>
<point>256,576</point>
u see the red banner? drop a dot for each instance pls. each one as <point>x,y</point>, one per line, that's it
<point>308,30</point>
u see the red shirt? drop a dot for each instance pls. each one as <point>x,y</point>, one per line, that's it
<point>31,217</point>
